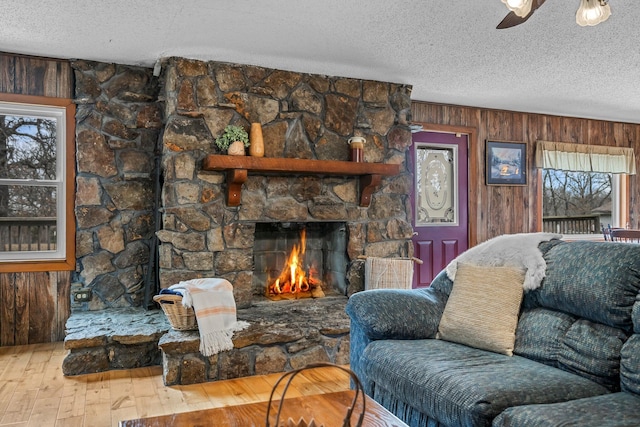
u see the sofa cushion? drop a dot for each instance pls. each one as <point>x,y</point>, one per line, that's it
<point>597,281</point>
<point>482,310</point>
<point>539,334</point>
<point>382,313</point>
<point>611,410</point>
<point>572,344</point>
<point>630,356</point>
<point>630,365</point>
<point>464,386</point>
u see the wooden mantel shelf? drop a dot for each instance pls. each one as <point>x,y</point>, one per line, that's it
<point>238,167</point>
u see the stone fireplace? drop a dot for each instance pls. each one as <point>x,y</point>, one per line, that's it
<point>303,116</point>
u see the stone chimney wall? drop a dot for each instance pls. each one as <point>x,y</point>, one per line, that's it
<point>303,116</point>
<point>118,121</point>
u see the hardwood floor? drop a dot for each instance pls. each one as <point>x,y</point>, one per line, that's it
<point>33,391</point>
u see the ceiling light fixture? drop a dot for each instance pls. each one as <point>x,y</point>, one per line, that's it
<point>592,12</point>
<point>519,7</point>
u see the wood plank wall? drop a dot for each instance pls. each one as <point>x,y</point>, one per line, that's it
<point>34,306</point>
<point>518,209</point>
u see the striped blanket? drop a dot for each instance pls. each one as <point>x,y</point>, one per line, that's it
<point>214,306</point>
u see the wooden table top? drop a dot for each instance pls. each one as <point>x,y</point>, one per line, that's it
<point>326,409</point>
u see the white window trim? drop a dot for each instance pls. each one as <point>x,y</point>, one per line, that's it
<point>619,201</point>
<point>58,114</point>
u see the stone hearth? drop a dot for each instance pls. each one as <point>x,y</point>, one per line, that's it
<point>273,342</point>
<point>128,338</point>
<point>117,338</point>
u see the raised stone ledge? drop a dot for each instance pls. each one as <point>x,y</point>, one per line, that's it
<point>281,336</point>
<point>119,338</point>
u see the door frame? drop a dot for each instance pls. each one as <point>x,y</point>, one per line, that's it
<point>473,154</point>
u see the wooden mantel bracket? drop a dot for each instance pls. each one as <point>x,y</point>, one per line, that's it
<point>235,179</point>
<point>368,184</point>
<point>238,167</point>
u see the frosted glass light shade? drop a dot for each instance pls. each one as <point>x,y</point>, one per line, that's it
<point>519,7</point>
<point>592,12</point>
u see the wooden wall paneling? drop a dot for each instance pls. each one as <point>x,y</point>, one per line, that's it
<point>42,293</point>
<point>65,82</point>
<point>573,130</point>
<point>634,185</point>
<point>499,126</point>
<point>22,298</point>
<point>20,82</point>
<point>483,219</point>
<point>492,201</point>
<point>57,78</point>
<point>7,309</point>
<point>622,134</point>
<point>473,189</point>
<point>628,135</point>
<point>7,73</point>
<point>533,204</point>
<point>454,114</point>
<point>596,133</point>
<point>553,128</point>
<point>36,76</point>
<point>502,209</point>
<point>420,112</point>
<point>527,195</point>
<point>63,303</point>
<point>34,307</point>
<point>506,201</point>
<point>609,133</point>
<point>476,173</point>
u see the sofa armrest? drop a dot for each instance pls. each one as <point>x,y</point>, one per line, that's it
<point>397,313</point>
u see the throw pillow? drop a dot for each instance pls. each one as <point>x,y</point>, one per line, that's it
<point>482,310</point>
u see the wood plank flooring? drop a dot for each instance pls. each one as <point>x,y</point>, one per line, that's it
<point>33,391</point>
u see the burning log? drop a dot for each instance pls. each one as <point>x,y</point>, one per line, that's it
<point>294,281</point>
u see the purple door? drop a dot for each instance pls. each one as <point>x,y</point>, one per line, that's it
<point>439,201</point>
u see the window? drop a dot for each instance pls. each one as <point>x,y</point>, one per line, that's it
<point>37,231</point>
<point>585,186</point>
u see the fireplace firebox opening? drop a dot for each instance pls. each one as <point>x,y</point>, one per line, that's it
<point>294,260</point>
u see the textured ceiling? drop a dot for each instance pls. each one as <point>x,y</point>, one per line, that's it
<point>449,51</point>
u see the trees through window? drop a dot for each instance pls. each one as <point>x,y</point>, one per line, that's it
<point>34,183</point>
<point>575,193</point>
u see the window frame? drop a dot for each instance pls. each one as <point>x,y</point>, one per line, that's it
<point>67,262</point>
<point>620,198</point>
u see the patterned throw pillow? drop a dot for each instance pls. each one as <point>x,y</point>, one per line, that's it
<point>482,310</point>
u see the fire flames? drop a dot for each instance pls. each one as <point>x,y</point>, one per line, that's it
<point>294,281</point>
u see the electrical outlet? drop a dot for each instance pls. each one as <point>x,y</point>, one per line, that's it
<point>82,295</point>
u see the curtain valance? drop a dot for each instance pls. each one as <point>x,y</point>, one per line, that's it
<point>585,158</point>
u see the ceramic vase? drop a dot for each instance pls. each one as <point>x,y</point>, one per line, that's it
<point>256,147</point>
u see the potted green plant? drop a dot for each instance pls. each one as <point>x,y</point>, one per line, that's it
<point>234,139</point>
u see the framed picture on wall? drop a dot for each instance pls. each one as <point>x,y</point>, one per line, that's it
<point>506,163</point>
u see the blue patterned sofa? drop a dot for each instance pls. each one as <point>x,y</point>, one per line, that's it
<point>576,358</point>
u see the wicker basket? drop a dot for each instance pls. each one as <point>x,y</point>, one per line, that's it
<point>180,317</point>
<point>388,273</point>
